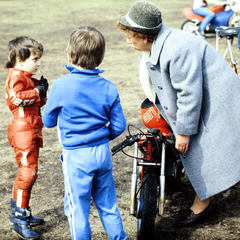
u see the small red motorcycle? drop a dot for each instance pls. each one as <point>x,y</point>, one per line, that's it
<point>156,171</point>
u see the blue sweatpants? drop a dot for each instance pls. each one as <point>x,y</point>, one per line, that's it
<point>88,172</point>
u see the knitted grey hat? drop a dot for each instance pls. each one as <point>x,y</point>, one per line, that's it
<point>143,17</point>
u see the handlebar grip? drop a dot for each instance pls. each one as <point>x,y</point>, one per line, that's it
<point>129,140</point>
<point>171,142</point>
<point>167,141</point>
<point>118,146</point>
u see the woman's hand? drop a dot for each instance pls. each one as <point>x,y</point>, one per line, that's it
<point>181,143</point>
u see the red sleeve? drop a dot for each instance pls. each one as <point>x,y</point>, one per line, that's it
<point>22,92</point>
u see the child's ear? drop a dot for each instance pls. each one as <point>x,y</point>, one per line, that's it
<point>69,58</point>
<point>19,61</point>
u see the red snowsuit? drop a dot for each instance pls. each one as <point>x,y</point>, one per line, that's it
<point>24,131</point>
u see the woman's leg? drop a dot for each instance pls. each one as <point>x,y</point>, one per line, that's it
<point>198,205</point>
<point>199,211</point>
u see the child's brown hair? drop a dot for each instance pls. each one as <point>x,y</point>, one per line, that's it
<point>22,47</point>
<point>86,47</point>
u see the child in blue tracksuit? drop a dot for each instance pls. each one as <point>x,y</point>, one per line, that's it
<point>87,112</point>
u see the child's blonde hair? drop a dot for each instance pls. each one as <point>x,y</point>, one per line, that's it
<point>86,47</point>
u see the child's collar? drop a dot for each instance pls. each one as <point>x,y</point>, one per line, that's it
<point>73,69</point>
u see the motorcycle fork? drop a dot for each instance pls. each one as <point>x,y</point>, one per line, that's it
<point>161,174</point>
<point>148,157</point>
<point>134,181</point>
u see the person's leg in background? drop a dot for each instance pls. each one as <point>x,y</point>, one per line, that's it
<point>209,15</point>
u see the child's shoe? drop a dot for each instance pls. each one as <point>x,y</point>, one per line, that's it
<point>33,220</point>
<point>21,225</point>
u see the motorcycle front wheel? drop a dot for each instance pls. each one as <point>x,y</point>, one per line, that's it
<point>148,207</point>
<point>234,20</point>
<point>189,26</point>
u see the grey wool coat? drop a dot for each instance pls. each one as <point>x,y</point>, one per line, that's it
<point>199,96</point>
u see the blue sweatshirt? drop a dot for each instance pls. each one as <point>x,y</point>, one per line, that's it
<point>85,107</point>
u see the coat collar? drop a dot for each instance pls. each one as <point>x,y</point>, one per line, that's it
<point>158,45</point>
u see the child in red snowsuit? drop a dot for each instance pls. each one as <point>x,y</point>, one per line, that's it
<point>25,95</point>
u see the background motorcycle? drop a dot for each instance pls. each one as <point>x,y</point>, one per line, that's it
<point>225,15</point>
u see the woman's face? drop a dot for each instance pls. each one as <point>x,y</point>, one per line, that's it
<point>140,44</point>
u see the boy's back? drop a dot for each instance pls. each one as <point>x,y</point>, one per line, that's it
<point>84,103</point>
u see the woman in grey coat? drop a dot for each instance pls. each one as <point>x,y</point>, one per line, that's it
<point>198,93</point>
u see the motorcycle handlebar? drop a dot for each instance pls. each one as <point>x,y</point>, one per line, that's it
<point>166,140</point>
<point>128,141</point>
<point>131,139</point>
<point>171,144</point>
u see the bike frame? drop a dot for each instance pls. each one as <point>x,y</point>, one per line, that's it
<point>229,33</point>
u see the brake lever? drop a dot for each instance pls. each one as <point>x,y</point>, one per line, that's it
<point>170,143</point>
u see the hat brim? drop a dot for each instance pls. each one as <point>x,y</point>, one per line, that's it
<point>148,31</point>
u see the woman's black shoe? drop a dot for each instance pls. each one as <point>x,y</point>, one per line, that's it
<point>189,218</point>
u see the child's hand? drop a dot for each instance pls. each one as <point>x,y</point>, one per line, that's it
<point>43,82</point>
<point>42,91</point>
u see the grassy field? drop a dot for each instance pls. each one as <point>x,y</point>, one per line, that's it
<point>51,23</point>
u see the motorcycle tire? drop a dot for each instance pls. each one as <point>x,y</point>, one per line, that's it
<point>148,199</point>
<point>189,26</point>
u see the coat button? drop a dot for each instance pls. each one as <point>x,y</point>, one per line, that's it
<point>174,123</point>
<point>160,87</point>
<point>152,68</point>
<point>166,108</point>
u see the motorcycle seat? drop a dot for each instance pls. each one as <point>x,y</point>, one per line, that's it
<point>227,31</point>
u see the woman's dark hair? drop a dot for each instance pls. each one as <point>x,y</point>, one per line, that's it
<point>150,38</point>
